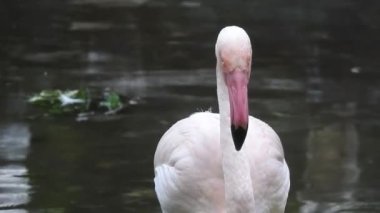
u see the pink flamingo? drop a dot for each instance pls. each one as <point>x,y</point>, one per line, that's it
<point>228,162</point>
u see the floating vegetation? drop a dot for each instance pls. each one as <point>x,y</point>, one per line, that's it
<point>57,102</point>
<point>111,101</point>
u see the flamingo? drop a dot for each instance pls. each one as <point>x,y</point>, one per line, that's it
<point>224,163</point>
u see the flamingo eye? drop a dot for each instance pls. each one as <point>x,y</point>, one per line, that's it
<point>224,62</point>
<point>248,59</point>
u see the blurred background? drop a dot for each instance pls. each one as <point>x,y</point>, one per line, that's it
<point>316,81</point>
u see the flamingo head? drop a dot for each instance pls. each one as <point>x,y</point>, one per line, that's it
<point>234,55</point>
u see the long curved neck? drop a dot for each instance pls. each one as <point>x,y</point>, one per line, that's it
<point>237,179</point>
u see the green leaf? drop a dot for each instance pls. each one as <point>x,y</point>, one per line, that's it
<point>58,102</point>
<point>112,101</point>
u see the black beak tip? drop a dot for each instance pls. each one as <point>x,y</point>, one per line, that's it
<point>238,135</point>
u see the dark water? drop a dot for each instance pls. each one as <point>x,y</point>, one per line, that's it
<point>316,81</point>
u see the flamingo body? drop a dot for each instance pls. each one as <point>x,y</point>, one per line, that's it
<point>189,175</point>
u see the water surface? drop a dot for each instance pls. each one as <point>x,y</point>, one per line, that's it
<point>315,81</point>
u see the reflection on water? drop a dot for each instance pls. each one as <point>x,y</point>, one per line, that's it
<point>14,183</point>
<point>315,80</point>
<point>332,171</point>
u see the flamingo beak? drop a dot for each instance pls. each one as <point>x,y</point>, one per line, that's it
<point>237,82</point>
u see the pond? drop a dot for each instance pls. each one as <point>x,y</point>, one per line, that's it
<point>315,80</point>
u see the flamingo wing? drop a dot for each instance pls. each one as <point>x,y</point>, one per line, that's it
<point>188,172</point>
<point>269,171</point>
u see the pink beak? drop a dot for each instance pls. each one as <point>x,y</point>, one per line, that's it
<point>237,82</point>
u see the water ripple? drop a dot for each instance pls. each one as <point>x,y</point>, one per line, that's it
<point>14,183</point>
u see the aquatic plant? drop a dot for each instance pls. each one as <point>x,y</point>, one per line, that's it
<point>58,102</point>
